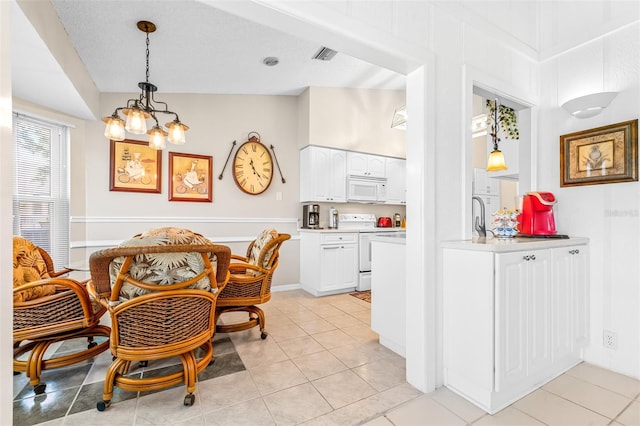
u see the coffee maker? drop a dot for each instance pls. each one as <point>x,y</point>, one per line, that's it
<point>537,214</point>
<point>311,216</point>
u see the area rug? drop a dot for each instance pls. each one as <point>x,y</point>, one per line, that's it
<point>362,295</point>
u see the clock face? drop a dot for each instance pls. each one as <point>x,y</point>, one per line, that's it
<point>252,167</point>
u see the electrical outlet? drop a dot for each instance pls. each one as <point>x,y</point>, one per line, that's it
<point>609,339</point>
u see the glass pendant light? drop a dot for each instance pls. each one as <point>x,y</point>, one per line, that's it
<point>114,129</point>
<point>496,161</point>
<point>136,121</point>
<point>176,132</point>
<point>157,137</point>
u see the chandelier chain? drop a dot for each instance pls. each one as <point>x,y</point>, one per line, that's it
<point>147,54</point>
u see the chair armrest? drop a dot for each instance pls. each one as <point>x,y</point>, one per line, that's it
<point>238,257</point>
<point>61,285</point>
<point>241,268</point>
<point>56,274</point>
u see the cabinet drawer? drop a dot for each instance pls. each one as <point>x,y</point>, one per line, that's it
<point>333,238</point>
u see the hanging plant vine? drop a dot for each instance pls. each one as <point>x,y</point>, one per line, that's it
<point>507,119</point>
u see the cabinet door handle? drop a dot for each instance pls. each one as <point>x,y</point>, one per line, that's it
<point>529,257</point>
<point>526,257</point>
<point>533,257</point>
<point>576,251</point>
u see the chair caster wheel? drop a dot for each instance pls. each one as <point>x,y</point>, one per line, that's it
<point>263,335</point>
<point>143,364</point>
<point>16,373</point>
<point>102,405</point>
<point>39,388</point>
<point>189,399</point>
<point>212,361</point>
<point>92,345</point>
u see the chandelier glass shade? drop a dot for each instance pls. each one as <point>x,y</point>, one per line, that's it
<point>138,111</point>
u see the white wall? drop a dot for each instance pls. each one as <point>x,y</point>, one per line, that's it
<point>608,214</point>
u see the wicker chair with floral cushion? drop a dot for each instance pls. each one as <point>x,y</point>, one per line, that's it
<point>250,282</point>
<point>160,288</point>
<point>47,309</point>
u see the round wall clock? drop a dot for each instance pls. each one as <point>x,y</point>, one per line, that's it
<point>253,167</point>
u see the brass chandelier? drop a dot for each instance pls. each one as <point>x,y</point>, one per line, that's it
<point>137,111</point>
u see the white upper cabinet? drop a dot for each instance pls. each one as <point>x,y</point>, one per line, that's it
<point>323,175</point>
<point>368,165</point>
<point>396,181</point>
<point>483,184</point>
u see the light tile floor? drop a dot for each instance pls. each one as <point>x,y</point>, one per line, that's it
<point>322,365</point>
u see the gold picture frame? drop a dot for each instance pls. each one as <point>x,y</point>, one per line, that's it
<point>606,154</point>
<point>134,167</point>
<point>190,177</point>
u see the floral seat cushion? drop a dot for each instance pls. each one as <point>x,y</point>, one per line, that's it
<point>262,240</point>
<point>28,266</point>
<point>163,268</point>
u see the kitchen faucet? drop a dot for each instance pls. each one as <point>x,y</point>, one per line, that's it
<point>478,223</point>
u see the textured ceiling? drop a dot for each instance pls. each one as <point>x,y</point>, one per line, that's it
<point>200,49</point>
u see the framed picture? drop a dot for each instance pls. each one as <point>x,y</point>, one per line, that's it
<point>134,167</point>
<point>602,155</point>
<point>190,177</point>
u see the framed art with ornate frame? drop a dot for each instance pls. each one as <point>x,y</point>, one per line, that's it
<point>190,177</point>
<point>606,154</point>
<point>134,167</point>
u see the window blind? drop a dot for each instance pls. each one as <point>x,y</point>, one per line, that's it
<point>41,188</point>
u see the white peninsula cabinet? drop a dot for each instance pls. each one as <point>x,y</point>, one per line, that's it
<point>328,262</point>
<point>515,315</point>
<point>323,174</point>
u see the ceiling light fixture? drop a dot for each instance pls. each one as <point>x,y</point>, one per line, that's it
<point>589,105</point>
<point>399,120</point>
<point>138,110</point>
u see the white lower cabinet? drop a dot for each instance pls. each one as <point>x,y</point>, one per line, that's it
<point>512,320</point>
<point>328,262</point>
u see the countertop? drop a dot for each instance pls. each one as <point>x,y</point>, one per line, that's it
<point>503,245</point>
<point>344,230</point>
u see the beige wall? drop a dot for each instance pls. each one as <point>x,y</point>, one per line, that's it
<point>102,218</point>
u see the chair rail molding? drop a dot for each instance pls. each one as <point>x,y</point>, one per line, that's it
<point>180,219</point>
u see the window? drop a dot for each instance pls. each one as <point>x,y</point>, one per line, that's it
<point>40,189</point>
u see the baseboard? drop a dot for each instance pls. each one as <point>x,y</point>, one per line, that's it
<point>285,287</point>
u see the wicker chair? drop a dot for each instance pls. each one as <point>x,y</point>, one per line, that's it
<point>47,309</point>
<point>169,320</point>
<point>250,282</point>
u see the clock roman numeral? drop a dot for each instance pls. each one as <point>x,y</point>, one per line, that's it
<point>253,147</point>
<point>244,149</point>
<point>265,176</point>
<point>239,173</point>
<point>252,188</point>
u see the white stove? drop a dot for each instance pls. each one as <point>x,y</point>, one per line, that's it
<point>357,221</point>
<point>365,225</point>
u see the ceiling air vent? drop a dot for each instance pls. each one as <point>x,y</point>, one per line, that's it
<point>324,54</point>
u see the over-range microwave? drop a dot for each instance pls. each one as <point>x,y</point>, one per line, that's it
<point>366,189</point>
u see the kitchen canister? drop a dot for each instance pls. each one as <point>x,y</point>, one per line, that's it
<point>505,223</point>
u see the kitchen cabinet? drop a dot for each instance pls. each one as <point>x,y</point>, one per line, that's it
<point>485,185</point>
<point>369,165</point>
<point>515,316</point>
<point>396,170</point>
<point>328,262</point>
<point>323,175</point>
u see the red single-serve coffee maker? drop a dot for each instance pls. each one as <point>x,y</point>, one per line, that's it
<point>537,214</point>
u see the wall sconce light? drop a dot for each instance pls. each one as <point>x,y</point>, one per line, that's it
<point>399,118</point>
<point>589,105</point>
